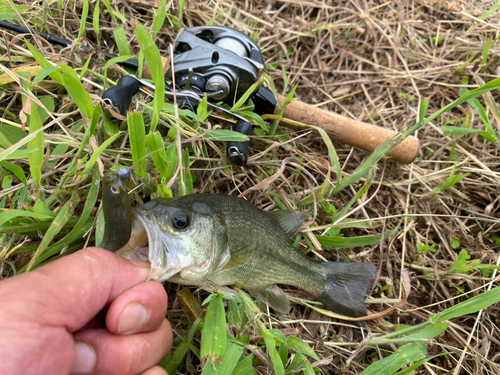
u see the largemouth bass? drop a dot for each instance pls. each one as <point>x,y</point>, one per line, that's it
<point>223,240</point>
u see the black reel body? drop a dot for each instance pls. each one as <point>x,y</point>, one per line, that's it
<point>224,62</point>
<point>214,60</point>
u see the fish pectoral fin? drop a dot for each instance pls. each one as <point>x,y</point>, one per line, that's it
<point>289,221</point>
<point>274,297</point>
<point>222,261</point>
<point>238,258</point>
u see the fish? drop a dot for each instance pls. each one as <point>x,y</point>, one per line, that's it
<point>214,239</point>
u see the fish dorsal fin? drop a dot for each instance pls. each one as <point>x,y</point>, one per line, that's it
<point>289,221</point>
<point>274,297</point>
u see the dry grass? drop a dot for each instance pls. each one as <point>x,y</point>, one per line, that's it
<point>372,61</point>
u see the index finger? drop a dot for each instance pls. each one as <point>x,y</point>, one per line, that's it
<point>73,289</point>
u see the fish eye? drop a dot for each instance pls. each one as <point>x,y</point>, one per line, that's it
<point>180,220</point>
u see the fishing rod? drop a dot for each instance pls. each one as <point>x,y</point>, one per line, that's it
<point>132,64</point>
<point>223,64</point>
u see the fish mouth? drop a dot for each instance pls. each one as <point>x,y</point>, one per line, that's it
<point>150,243</point>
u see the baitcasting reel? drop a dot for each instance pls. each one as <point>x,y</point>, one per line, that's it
<point>216,61</point>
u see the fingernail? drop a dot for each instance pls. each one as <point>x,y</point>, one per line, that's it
<point>133,317</point>
<point>85,359</point>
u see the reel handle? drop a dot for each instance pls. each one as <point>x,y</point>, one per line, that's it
<point>345,130</point>
<point>237,152</point>
<point>119,97</point>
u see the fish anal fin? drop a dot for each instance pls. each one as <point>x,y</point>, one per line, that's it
<point>289,221</point>
<point>274,297</point>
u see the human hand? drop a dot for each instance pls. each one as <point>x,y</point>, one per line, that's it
<point>87,313</point>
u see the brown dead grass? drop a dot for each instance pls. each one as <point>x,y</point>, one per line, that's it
<point>372,61</point>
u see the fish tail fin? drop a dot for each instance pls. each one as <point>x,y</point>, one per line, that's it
<point>346,287</point>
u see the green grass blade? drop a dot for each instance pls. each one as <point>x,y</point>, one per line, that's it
<point>308,369</point>
<point>121,41</point>
<point>339,216</point>
<point>44,73</point>
<point>350,242</point>
<point>474,103</point>
<point>202,110</point>
<point>155,65</point>
<point>96,115</point>
<point>426,332</point>
<point>213,338</point>
<point>450,181</point>
<point>98,152</point>
<point>54,252</point>
<point>244,367</point>
<point>404,355</point>
<point>242,101</point>
<point>95,21</point>
<point>78,93</point>
<point>156,148</point>
<point>9,11</point>
<point>173,161</point>
<point>332,155</point>
<point>114,60</point>
<point>231,357</point>
<point>83,224</point>
<point>11,153</point>
<point>272,352</point>
<point>469,306</point>
<point>36,157</point>
<point>300,346</point>
<point>17,170</point>
<point>181,12</point>
<point>185,182</point>
<point>450,131</point>
<point>225,135</point>
<point>492,85</point>
<point>57,224</point>
<point>111,12</point>
<point>4,141</point>
<point>56,75</point>
<point>32,227</point>
<point>137,135</point>
<point>417,364</point>
<point>160,18</point>
<point>110,126</point>
<point>9,215</point>
<point>175,359</point>
<point>288,100</point>
<point>48,103</point>
<point>85,13</point>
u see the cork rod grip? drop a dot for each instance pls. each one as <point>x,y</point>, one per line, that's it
<point>345,130</point>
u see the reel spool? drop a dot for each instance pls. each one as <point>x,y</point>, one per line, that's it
<point>224,62</point>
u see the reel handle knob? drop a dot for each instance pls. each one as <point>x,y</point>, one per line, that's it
<point>237,152</point>
<point>120,96</point>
